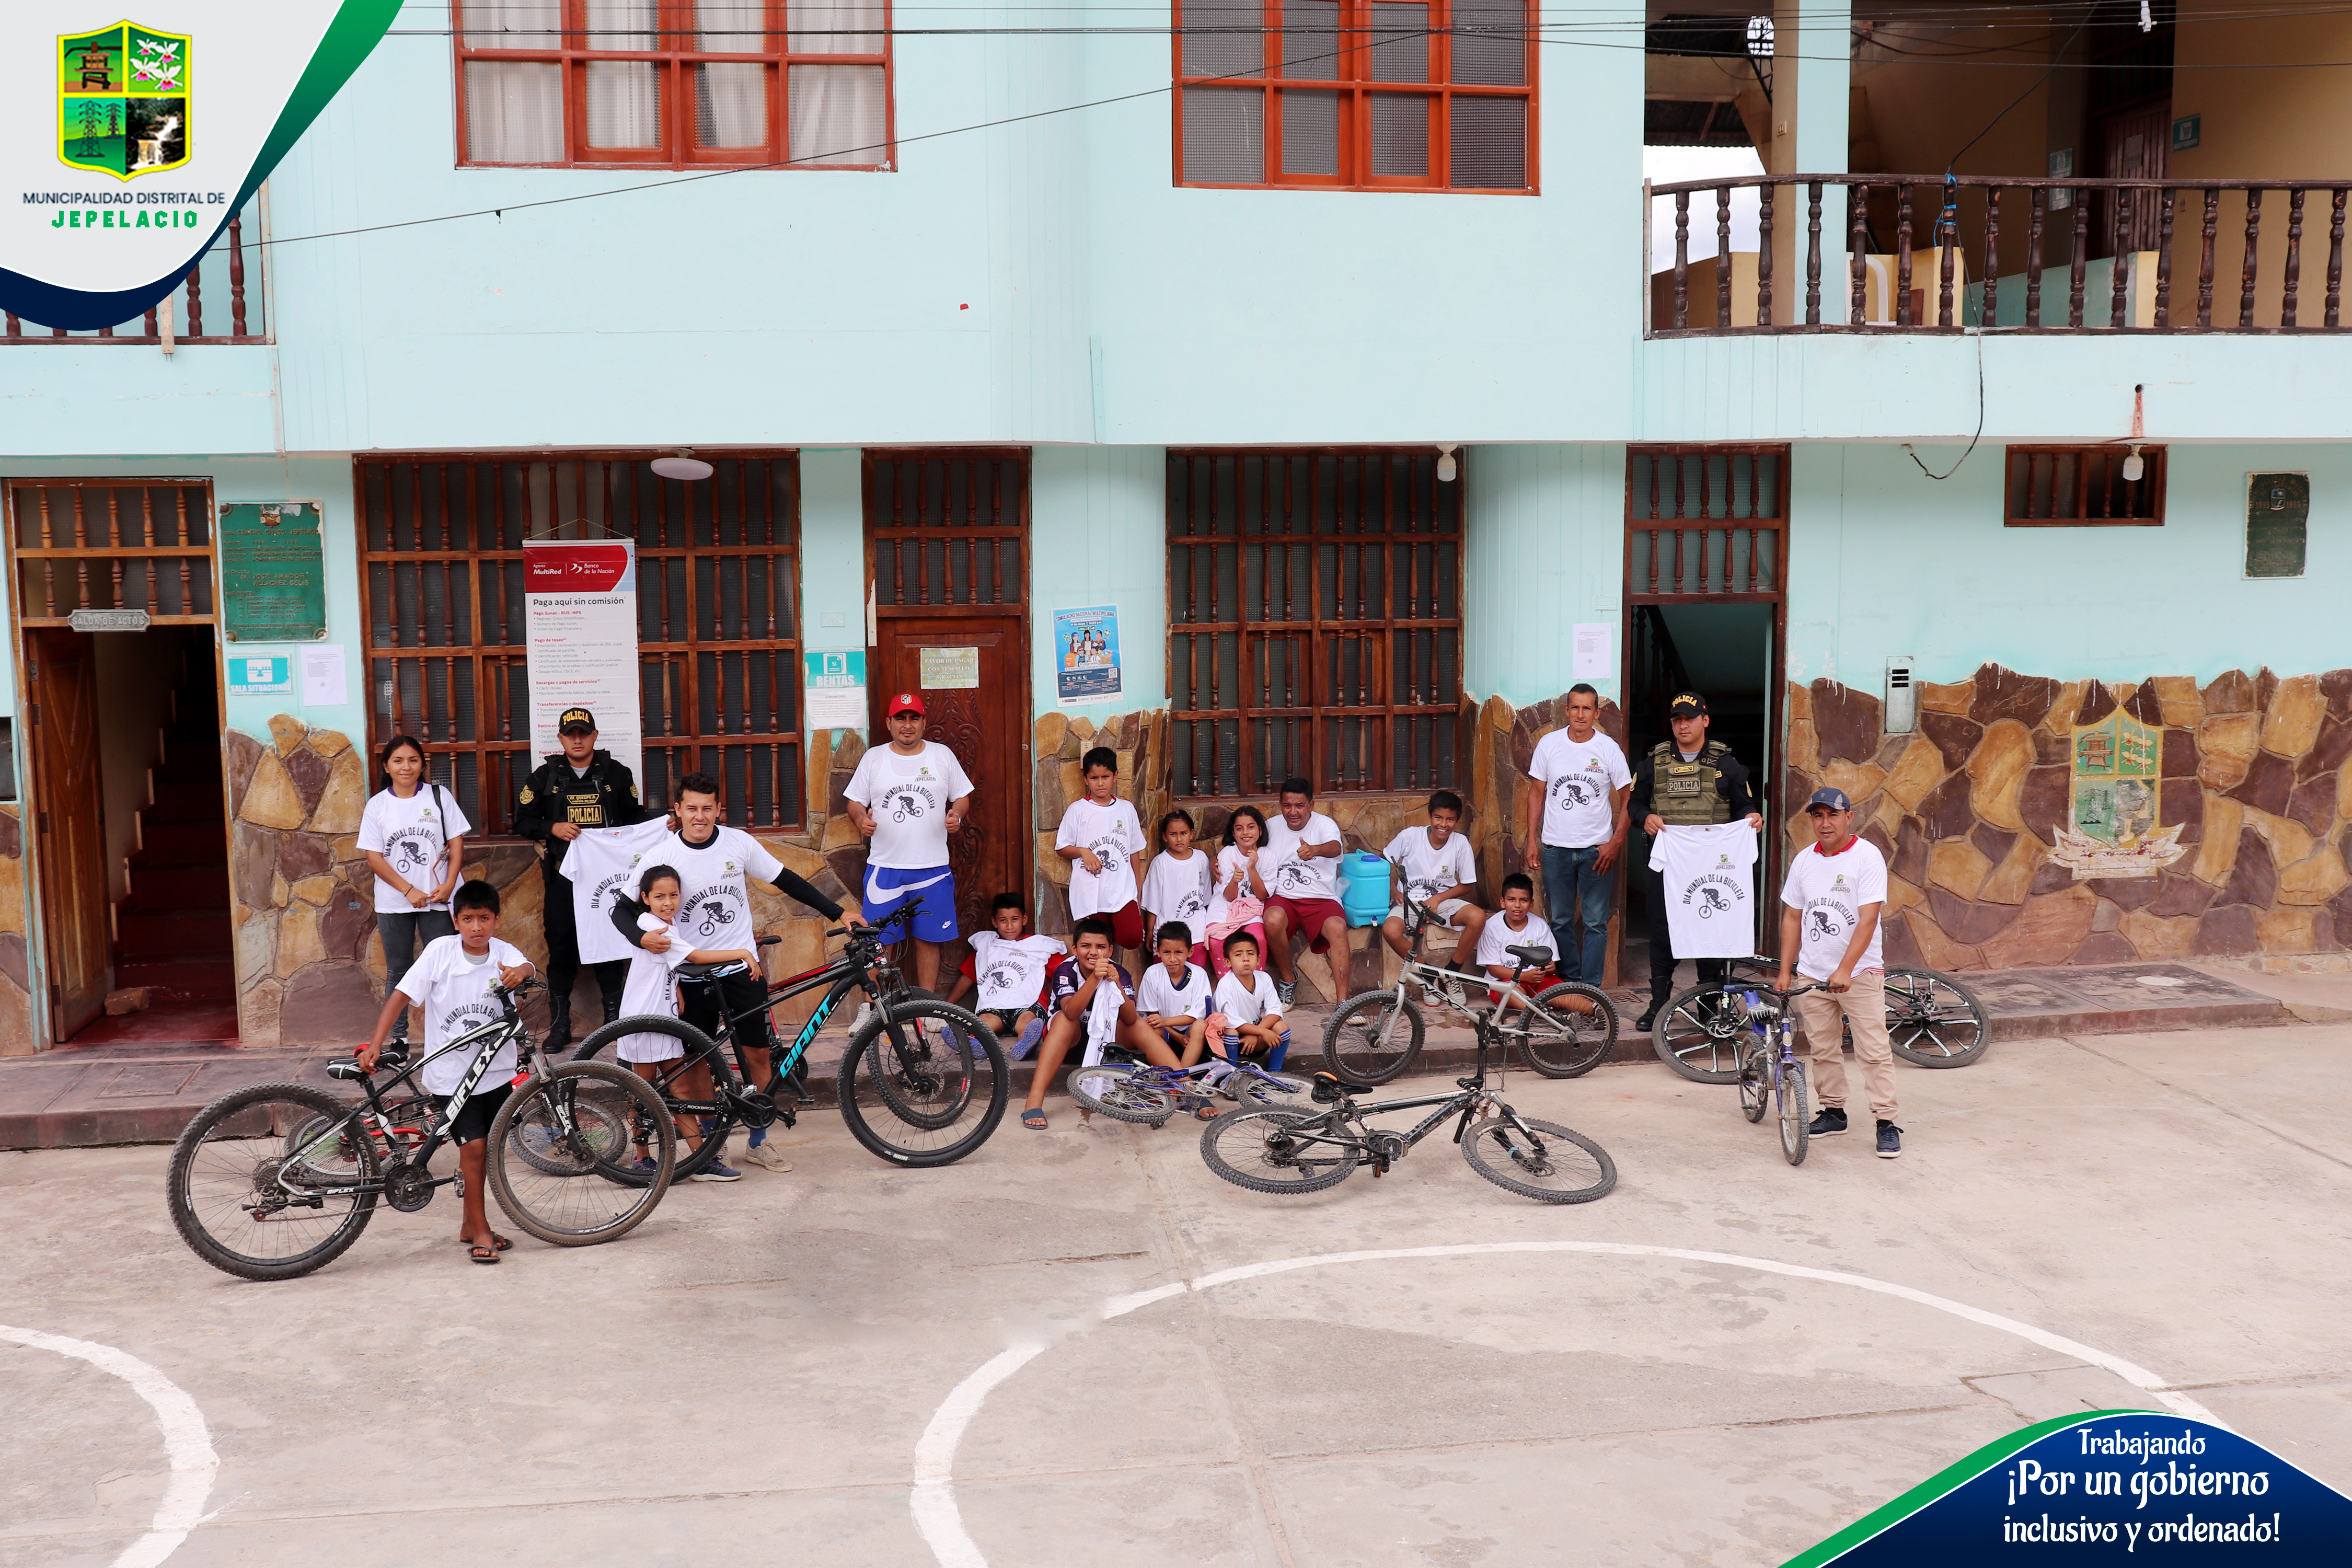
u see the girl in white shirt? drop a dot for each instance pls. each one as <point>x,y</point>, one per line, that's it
<point>414,837</point>
<point>1101,836</point>
<point>1237,897</point>
<point>1177,885</point>
<point>652,987</point>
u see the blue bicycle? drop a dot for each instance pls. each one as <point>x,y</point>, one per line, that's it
<point>1771,1074</point>
<point>1125,1090</point>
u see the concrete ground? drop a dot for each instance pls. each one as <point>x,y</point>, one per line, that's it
<point>749,1377</point>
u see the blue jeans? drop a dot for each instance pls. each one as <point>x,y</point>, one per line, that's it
<point>1578,893</point>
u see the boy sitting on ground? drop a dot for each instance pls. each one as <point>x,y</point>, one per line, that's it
<point>450,982</point>
<point>1009,968</point>
<point>1250,1010</point>
<point>1174,994</point>
<point>1093,1003</point>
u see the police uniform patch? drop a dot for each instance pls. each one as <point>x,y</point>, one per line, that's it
<point>526,795</point>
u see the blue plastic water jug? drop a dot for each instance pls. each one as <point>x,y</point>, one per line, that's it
<point>1364,887</point>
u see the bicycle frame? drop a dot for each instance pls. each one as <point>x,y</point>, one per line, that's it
<point>1433,979</point>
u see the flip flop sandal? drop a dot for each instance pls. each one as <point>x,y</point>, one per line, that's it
<point>486,1254</point>
<point>1207,1112</point>
<point>1033,1120</point>
<point>499,1243</point>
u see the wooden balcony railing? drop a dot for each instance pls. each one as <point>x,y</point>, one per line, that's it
<point>223,290</point>
<point>1921,253</point>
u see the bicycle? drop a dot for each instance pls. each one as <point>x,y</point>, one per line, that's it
<point>1375,1037</point>
<point>274,1180</point>
<point>1771,1073</point>
<point>1126,1089</point>
<point>1270,1149</point>
<point>932,1067</point>
<point>1931,1019</point>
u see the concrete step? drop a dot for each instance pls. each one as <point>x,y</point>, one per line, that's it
<point>181,979</point>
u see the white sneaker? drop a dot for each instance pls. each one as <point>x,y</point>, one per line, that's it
<point>768,1157</point>
<point>865,1016</point>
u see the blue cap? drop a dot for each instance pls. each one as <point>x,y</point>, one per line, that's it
<point>1833,798</point>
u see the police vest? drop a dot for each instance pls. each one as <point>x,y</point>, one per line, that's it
<point>1688,793</point>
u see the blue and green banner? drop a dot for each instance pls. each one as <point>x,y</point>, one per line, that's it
<point>2116,1486</point>
<point>126,145</point>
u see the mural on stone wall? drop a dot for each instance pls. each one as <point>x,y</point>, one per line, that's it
<point>1973,812</point>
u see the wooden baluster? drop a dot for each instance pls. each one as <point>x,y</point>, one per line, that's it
<point>106,332</point>
<point>1722,257</point>
<point>2120,276</point>
<point>2040,205</point>
<point>236,276</point>
<point>114,540</point>
<point>1903,256</point>
<point>2246,271</point>
<point>1987,312</point>
<point>2082,256</point>
<point>1764,255</point>
<point>16,328</point>
<point>1814,250</point>
<point>2164,263</point>
<point>186,536</point>
<point>1948,236</point>
<point>152,332</point>
<point>1857,238</point>
<point>2294,256</point>
<point>81,541</point>
<point>2205,263</point>
<point>1681,259</point>
<point>2336,256</point>
<point>195,300</point>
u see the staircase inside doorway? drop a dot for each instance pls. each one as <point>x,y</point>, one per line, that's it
<point>173,932</point>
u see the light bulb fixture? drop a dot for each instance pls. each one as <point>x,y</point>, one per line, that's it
<point>2134,466</point>
<point>1447,468</point>
<point>685,466</point>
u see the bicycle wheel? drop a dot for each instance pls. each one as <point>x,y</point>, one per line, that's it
<point>1933,1020</point>
<point>1755,1086</point>
<point>1539,1160</point>
<point>1113,1089</point>
<point>1700,1037</point>
<point>258,1182</point>
<point>722,1119</point>
<point>1278,1150</point>
<point>555,1140</point>
<point>1373,1037</point>
<point>1795,1120</point>
<point>943,1064</point>
<point>1274,1091</point>
<point>1563,1043</point>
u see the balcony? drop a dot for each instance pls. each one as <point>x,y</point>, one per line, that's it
<point>220,301</point>
<point>1921,253</point>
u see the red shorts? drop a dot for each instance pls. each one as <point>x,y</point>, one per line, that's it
<point>1126,923</point>
<point>1309,916</point>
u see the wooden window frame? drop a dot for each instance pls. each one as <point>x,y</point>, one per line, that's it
<point>2110,454</point>
<point>501,743</point>
<point>960,592</point>
<point>678,149</point>
<point>101,537</point>
<point>1319,710</point>
<point>1358,88</point>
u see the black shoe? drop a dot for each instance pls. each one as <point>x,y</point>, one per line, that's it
<point>556,1042</point>
<point>1642,1025</point>
<point>1830,1122</point>
<point>1890,1141</point>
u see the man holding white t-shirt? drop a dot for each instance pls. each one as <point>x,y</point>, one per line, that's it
<point>1829,913</point>
<point>907,797</point>
<point>1576,830</point>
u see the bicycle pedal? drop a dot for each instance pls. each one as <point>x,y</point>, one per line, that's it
<point>457,1185</point>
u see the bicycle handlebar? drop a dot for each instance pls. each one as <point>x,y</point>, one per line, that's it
<point>899,916</point>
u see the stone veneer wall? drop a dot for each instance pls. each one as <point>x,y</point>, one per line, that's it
<point>2254,772</point>
<point>15,983</point>
<point>309,967</point>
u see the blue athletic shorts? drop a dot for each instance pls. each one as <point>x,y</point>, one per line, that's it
<point>887,888</point>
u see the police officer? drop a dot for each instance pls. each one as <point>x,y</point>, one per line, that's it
<point>1687,782</point>
<point>578,787</point>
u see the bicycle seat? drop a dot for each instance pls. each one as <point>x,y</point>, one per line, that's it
<point>1330,1087</point>
<point>346,1069</point>
<point>1529,955</point>
<point>713,970</point>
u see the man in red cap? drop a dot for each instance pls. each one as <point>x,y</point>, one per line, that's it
<point>907,797</point>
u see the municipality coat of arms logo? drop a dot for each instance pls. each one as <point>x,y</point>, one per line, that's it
<point>122,100</point>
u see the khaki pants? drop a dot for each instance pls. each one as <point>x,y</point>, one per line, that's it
<point>1864,1006</point>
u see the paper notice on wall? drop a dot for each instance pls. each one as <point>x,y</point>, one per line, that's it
<point>580,613</point>
<point>1591,654</point>
<point>325,681</point>
<point>832,688</point>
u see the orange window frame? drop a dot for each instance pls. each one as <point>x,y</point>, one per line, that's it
<point>678,149</point>
<point>1352,79</point>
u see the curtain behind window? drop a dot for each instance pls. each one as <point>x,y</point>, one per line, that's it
<point>838,114</point>
<point>514,112</point>
<point>836,27</point>
<point>730,105</point>
<point>513,23</point>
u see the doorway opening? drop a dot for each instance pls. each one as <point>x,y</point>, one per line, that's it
<point>127,799</point>
<point>1706,549</point>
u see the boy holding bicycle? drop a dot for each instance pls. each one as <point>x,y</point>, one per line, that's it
<point>451,983</point>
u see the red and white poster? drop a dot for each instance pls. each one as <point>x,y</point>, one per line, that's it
<point>580,616</point>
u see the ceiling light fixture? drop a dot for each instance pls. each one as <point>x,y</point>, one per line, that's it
<point>1446,466</point>
<point>685,466</point>
<point>2134,466</point>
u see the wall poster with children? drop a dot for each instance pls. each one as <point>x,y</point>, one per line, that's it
<point>1085,646</point>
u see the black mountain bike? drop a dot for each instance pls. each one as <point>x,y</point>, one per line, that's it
<point>1293,1149</point>
<point>1932,1021</point>
<point>922,1083</point>
<point>274,1180</point>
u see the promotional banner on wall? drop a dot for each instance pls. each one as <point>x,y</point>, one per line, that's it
<point>126,145</point>
<point>580,618</point>
<point>1087,643</point>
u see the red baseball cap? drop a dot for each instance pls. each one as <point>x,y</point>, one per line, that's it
<point>905,702</point>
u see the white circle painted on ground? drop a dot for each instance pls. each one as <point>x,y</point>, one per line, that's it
<point>941,1521</point>
<point>186,1441</point>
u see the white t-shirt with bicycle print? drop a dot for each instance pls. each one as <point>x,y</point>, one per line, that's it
<point>715,908</point>
<point>413,835</point>
<point>908,798</point>
<point>453,990</point>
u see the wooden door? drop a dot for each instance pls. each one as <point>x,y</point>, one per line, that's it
<point>981,715</point>
<point>61,685</point>
<point>2131,146</point>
